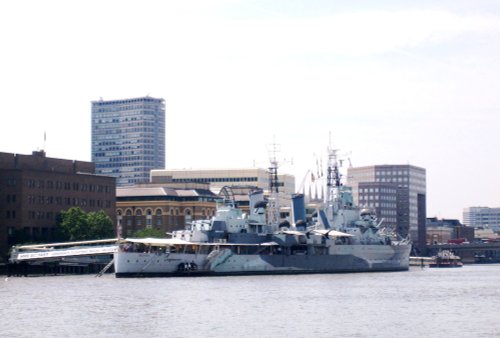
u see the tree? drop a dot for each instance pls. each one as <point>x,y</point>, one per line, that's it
<point>100,225</point>
<point>75,225</point>
<point>149,232</point>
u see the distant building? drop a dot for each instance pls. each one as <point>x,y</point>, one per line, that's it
<point>397,193</point>
<point>444,222</point>
<point>240,180</point>
<point>485,235</point>
<point>163,207</point>
<point>128,138</point>
<point>482,217</point>
<point>441,231</point>
<point>218,178</point>
<point>34,189</point>
<point>439,235</point>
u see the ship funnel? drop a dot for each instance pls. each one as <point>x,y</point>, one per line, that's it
<point>255,197</point>
<point>298,208</point>
<point>257,206</point>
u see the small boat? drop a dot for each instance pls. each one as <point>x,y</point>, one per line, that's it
<point>446,259</point>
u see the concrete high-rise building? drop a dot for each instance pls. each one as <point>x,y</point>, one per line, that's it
<point>397,193</point>
<point>482,217</point>
<point>128,138</point>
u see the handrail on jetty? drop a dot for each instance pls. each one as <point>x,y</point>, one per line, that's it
<point>57,250</point>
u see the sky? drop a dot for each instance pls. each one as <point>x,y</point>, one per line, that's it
<point>385,82</point>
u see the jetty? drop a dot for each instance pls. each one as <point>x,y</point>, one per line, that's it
<point>420,261</point>
<point>62,258</point>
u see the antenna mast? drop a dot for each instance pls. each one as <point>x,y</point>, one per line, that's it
<point>274,210</point>
<point>333,177</point>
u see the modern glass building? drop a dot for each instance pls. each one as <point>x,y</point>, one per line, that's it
<point>128,138</point>
<point>397,193</point>
<point>482,217</point>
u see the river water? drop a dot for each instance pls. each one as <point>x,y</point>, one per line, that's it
<point>462,302</point>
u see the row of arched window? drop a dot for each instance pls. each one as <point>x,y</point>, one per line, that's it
<point>160,212</point>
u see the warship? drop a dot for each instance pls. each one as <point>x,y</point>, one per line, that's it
<point>340,238</point>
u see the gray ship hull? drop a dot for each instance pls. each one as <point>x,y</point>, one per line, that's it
<point>343,259</point>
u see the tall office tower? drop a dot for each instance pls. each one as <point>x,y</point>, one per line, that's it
<point>128,138</point>
<point>396,193</point>
<point>482,217</point>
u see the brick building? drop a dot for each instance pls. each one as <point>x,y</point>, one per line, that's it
<point>34,189</point>
<point>162,206</point>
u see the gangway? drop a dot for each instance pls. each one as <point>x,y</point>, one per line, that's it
<point>105,268</point>
<point>54,251</point>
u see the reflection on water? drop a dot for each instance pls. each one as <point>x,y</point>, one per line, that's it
<point>425,302</point>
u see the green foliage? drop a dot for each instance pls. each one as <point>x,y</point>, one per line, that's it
<point>76,225</point>
<point>100,225</point>
<point>149,232</point>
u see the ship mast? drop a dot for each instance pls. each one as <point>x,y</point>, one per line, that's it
<point>333,180</point>
<point>273,216</point>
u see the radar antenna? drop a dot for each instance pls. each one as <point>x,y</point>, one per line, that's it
<point>333,180</point>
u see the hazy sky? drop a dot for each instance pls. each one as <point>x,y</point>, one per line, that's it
<point>394,82</point>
